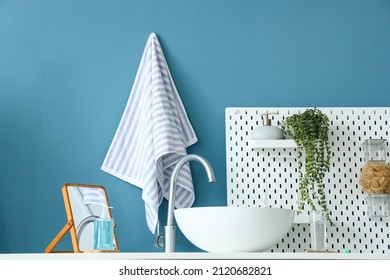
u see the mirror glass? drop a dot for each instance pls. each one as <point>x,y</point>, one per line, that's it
<point>85,204</point>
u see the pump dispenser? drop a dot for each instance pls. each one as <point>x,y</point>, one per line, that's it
<point>104,231</point>
<point>267,131</point>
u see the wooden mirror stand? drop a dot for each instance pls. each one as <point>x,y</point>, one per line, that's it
<point>80,218</point>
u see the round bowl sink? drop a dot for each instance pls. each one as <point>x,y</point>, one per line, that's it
<point>234,229</point>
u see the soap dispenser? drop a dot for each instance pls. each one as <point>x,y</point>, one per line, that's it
<point>267,131</point>
<point>104,231</point>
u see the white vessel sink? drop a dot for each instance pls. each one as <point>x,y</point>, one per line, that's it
<point>234,229</point>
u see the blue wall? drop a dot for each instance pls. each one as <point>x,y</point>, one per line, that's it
<point>67,67</point>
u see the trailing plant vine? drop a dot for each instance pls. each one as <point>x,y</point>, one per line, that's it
<point>310,131</point>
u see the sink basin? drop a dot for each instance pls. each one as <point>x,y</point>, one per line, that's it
<point>234,229</point>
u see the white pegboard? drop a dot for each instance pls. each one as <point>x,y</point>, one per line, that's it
<point>268,177</point>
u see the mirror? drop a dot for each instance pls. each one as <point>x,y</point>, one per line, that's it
<point>83,204</point>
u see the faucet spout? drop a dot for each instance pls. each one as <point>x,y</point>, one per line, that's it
<point>170,234</point>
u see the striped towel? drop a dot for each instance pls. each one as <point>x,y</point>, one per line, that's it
<point>94,196</point>
<point>152,136</point>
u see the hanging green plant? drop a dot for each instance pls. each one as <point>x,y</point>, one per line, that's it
<point>310,131</point>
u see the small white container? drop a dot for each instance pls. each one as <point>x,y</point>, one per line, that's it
<point>375,149</point>
<point>378,205</point>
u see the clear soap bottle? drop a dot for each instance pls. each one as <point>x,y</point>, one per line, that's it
<point>104,231</point>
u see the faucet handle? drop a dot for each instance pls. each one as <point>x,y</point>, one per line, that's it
<point>159,239</point>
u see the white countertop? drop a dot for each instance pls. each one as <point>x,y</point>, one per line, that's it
<point>193,256</point>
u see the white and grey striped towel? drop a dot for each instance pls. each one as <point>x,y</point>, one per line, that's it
<point>94,196</point>
<point>152,136</point>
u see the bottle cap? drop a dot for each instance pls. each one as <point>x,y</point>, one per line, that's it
<point>266,119</point>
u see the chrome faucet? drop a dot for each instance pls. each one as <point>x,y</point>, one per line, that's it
<point>170,231</point>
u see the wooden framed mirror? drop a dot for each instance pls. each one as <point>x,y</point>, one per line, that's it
<point>83,204</point>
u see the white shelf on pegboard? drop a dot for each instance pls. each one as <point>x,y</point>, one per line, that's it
<point>273,144</point>
<point>302,218</point>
